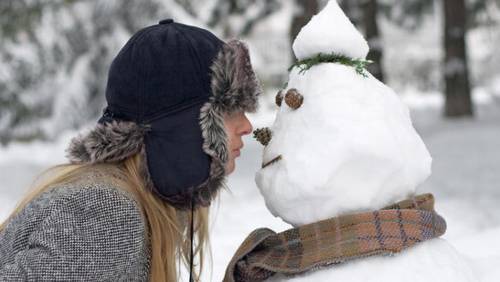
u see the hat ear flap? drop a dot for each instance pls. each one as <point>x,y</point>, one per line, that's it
<point>234,88</point>
<point>108,142</point>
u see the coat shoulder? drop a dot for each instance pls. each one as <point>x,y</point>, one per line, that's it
<point>94,226</point>
<point>85,199</point>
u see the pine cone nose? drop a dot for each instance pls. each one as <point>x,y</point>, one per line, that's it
<point>263,135</point>
<point>294,99</point>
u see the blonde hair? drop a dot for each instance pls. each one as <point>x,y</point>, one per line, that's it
<point>168,228</point>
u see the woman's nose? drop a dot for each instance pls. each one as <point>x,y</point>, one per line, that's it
<point>246,127</point>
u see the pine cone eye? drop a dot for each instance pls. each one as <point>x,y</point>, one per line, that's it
<point>294,99</point>
<point>279,98</point>
<point>263,135</point>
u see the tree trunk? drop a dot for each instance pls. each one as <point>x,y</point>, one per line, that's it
<point>373,37</point>
<point>457,92</point>
<point>307,9</point>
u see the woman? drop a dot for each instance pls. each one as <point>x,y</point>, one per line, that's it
<point>140,183</point>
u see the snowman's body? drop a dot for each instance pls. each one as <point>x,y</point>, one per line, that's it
<point>349,148</point>
<point>434,260</point>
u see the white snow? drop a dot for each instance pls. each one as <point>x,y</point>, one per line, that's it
<point>328,32</point>
<point>37,152</point>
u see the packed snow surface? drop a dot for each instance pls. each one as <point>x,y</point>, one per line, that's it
<point>350,147</point>
<point>328,32</point>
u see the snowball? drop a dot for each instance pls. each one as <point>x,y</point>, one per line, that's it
<point>328,32</point>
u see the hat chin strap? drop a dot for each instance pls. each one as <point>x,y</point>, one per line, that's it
<point>191,236</point>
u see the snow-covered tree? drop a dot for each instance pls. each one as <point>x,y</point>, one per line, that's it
<point>55,56</point>
<point>55,53</point>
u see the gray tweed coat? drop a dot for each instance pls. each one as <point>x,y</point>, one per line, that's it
<point>86,231</point>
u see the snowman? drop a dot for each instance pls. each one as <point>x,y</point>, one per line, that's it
<point>343,144</point>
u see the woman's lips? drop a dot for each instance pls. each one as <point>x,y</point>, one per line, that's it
<point>271,161</point>
<point>237,153</point>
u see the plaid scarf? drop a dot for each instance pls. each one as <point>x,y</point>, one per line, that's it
<point>336,240</point>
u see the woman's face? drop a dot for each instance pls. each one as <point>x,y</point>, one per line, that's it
<point>237,125</point>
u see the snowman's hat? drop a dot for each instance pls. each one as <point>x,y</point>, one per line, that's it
<point>330,31</point>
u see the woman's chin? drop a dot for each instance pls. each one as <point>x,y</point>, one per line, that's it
<point>230,166</point>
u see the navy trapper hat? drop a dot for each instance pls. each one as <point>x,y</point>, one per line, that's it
<point>168,89</point>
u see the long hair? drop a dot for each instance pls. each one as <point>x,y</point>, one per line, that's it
<point>168,228</point>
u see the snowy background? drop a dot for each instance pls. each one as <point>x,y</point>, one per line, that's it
<point>53,71</point>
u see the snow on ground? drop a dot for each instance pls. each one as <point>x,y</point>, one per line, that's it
<point>465,180</point>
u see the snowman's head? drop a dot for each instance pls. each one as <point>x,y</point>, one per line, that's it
<point>341,143</point>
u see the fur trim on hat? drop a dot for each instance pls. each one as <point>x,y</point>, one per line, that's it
<point>107,142</point>
<point>234,88</point>
<point>234,84</point>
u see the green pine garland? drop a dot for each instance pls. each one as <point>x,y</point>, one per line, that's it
<point>358,64</point>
